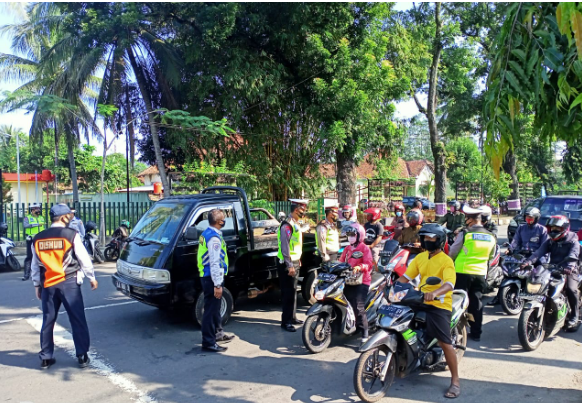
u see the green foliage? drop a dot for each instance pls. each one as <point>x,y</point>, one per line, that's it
<point>416,145</point>
<point>465,162</point>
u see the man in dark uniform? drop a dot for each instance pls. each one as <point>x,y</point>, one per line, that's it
<point>59,263</point>
<point>290,239</point>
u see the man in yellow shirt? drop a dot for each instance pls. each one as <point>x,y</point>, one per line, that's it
<point>435,263</point>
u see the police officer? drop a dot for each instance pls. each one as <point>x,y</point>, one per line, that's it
<point>487,222</point>
<point>213,266</point>
<point>290,239</point>
<point>327,235</point>
<point>59,263</point>
<point>454,219</point>
<point>471,251</point>
<point>77,224</point>
<point>33,224</point>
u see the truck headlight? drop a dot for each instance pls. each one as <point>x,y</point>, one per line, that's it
<point>155,276</point>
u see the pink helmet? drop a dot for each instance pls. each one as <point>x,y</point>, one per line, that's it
<point>358,230</point>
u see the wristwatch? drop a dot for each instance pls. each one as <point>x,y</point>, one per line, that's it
<point>217,286</point>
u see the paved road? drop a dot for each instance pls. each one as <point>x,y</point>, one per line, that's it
<point>145,354</point>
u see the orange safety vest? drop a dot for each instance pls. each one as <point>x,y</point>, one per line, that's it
<point>54,248</point>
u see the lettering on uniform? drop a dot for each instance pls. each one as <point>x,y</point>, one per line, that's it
<point>51,244</point>
<point>482,237</point>
<point>534,239</point>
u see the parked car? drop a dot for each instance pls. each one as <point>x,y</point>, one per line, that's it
<point>158,262</point>
<point>567,205</point>
<point>408,202</point>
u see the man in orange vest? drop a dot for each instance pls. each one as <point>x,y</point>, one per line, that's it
<point>59,263</point>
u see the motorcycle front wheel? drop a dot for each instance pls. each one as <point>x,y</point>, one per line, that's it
<point>12,263</point>
<point>510,301</point>
<point>98,255</point>
<point>368,373</point>
<point>317,333</point>
<point>111,253</point>
<point>530,330</point>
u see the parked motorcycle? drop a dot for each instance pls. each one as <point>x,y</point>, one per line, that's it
<point>333,312</point>
<point>7,258</point>
<point>514,282</point>
<point>113,248</point>
<point>91,242</point>
<point>546,309</point>
<point>401,346</point>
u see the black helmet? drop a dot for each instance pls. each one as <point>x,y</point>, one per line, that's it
<point>455,204</point>
<point>432,230</point>
<point>561,222</point>
<point>3,228</point>
<point>413,218</point>
<point>90,226</point>
<point>532,212</point>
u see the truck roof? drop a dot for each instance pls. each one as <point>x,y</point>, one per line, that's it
<point>202,197</point>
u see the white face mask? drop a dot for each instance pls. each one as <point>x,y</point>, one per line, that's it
<point>352,239</point>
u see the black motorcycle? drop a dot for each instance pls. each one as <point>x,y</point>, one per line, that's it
<point>514,281</point>
<point>91,242</point>
<point>545,312</point>
<point>7,258</point>
<point>113,248</point>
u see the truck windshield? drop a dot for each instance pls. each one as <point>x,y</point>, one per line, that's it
<point>160,223</point>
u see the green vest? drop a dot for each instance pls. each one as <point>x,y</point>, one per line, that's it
<point>34,220</point>
<point>331,239</point>
<point>474,255</point>
<point>204,259</point>
<point>295,243</point>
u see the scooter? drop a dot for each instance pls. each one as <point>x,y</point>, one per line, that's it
<point>394,257</point>
<point>333,312</point>
<point>514,281</point>
<point>7,258</point>
<point>401,346</point>
<point>91,242</point>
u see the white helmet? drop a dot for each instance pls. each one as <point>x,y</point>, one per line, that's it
<point>34,206</point>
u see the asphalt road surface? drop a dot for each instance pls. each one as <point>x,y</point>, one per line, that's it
<point>143,354</point>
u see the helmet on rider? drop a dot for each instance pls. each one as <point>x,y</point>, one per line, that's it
<point>357,231</point>
<point>413,218</point>
<point>454,206</point>
<point>398,207</point>
<point>349,210</point>
<point>373,214</point>
<point>557,226</point>
<point>532,215</point>
<point>432,231</point>
<point>124,223</point>
<point>485,213</point>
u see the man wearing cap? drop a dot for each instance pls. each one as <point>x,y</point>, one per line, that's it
<point>327,235</point>
<point>471,251</point>
<point>290,239</point>
<point>77,224</point>
<point>33,223</point>
<point>59,264</point>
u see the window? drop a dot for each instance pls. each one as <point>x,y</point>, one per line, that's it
<point>160,223</point>
<point>200,220</point>
<point>571,208</point>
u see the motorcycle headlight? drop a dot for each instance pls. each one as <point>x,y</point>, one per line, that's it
<point>330,292</point>
<point>319,295</point>
<point>533,288</point>
<point>396,296</point>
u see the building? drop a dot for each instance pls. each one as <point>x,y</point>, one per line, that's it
<point>33,187</point>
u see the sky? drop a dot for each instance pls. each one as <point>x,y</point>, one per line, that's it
<point>22,119</point>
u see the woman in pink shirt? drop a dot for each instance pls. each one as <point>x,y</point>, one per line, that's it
<point>357,294</point>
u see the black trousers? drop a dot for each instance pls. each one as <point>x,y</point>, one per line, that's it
<point>67,293</point>
<point>474,285</point>
<point>357,294</point>
<point>572,294</point>
<point>288,286</point>
<point>28,260</point>
<point>211,320</point>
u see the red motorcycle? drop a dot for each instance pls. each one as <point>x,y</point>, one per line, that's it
<point>394,258</point>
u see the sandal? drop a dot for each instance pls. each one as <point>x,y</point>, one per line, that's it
<point>453,392</point>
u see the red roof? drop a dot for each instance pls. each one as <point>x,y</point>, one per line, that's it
<point>45,176</point>
<point>403,169</point>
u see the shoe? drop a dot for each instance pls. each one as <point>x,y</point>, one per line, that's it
<point>572,323</point>
<point>475,337</point>
<point>226,338</point>
<point>214,349</point>
<point>296,322</point>
<point>494,301</point>
<point>25,278</point>
<point>84,360</point>
<point>288,327</point>
<point>45,364</point>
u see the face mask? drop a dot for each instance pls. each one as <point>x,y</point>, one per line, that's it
<point>399,214</point>
<point>352,239</point>
<point>555,234</point>
<point>431,246</point>
<point>333,218</point>
<point>370,218</point>
<point>529,220</point>
<point>222,224</point>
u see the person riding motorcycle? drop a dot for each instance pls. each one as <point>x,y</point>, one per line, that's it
<point>487,222</point>
<point>410,234</point>
<point>122,232</point>
<point>454,220</point>
<point>356,294</point>
<point>399,222</point>
<point>564,249</point>
<point>374,231</point>
<point>530,236</point>
<point>349,216</point>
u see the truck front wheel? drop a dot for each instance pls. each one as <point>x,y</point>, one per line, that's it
<point>226,306</point>
<point>308,287</point>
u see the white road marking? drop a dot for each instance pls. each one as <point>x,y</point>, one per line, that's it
<point>10,320</point>
<point>64,340</point>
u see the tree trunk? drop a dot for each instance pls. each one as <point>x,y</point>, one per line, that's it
<point>72,166</point>
<point>102,186</point>
<point>437,146</point>
<point>141,82</point>
<point>509,166</point>
<point>56,165</point>
<point>346,178</point>
<point>130,130</point>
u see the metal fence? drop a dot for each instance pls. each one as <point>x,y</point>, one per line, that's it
<point>13,215</point>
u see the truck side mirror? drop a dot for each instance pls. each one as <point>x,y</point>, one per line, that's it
<point>191,234</point>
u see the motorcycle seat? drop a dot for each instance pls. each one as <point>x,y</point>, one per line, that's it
<point>459,297</point>
<point>420,316</point>
<point>377,279</point>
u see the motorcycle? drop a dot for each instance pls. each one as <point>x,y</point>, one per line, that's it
<point>332,311</point>
<point>112,249</point>
<point>495,272</point>
<point>91,242</point>
<point>7,258</point>
<point>514,282</point>
<point>401,345</point>
<point>394,257</point>
<point>546,309</point>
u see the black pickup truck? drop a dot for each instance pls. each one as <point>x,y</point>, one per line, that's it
<point>158,262</point>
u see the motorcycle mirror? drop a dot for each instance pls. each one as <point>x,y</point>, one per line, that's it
<point>357,255</point>
<point>433,281</point>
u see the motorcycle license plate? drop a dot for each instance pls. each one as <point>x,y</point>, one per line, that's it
<point>123,286</point>
<point>390,311</point>
<point>511,260</point>
<point>326,277</point>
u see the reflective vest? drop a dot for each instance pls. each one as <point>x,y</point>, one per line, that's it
<point>295,242</point>
<point>204,258</point>
<point>34,220</point>
<point>54,248</point>
<point>474,255</point>
<point>331,238</point>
